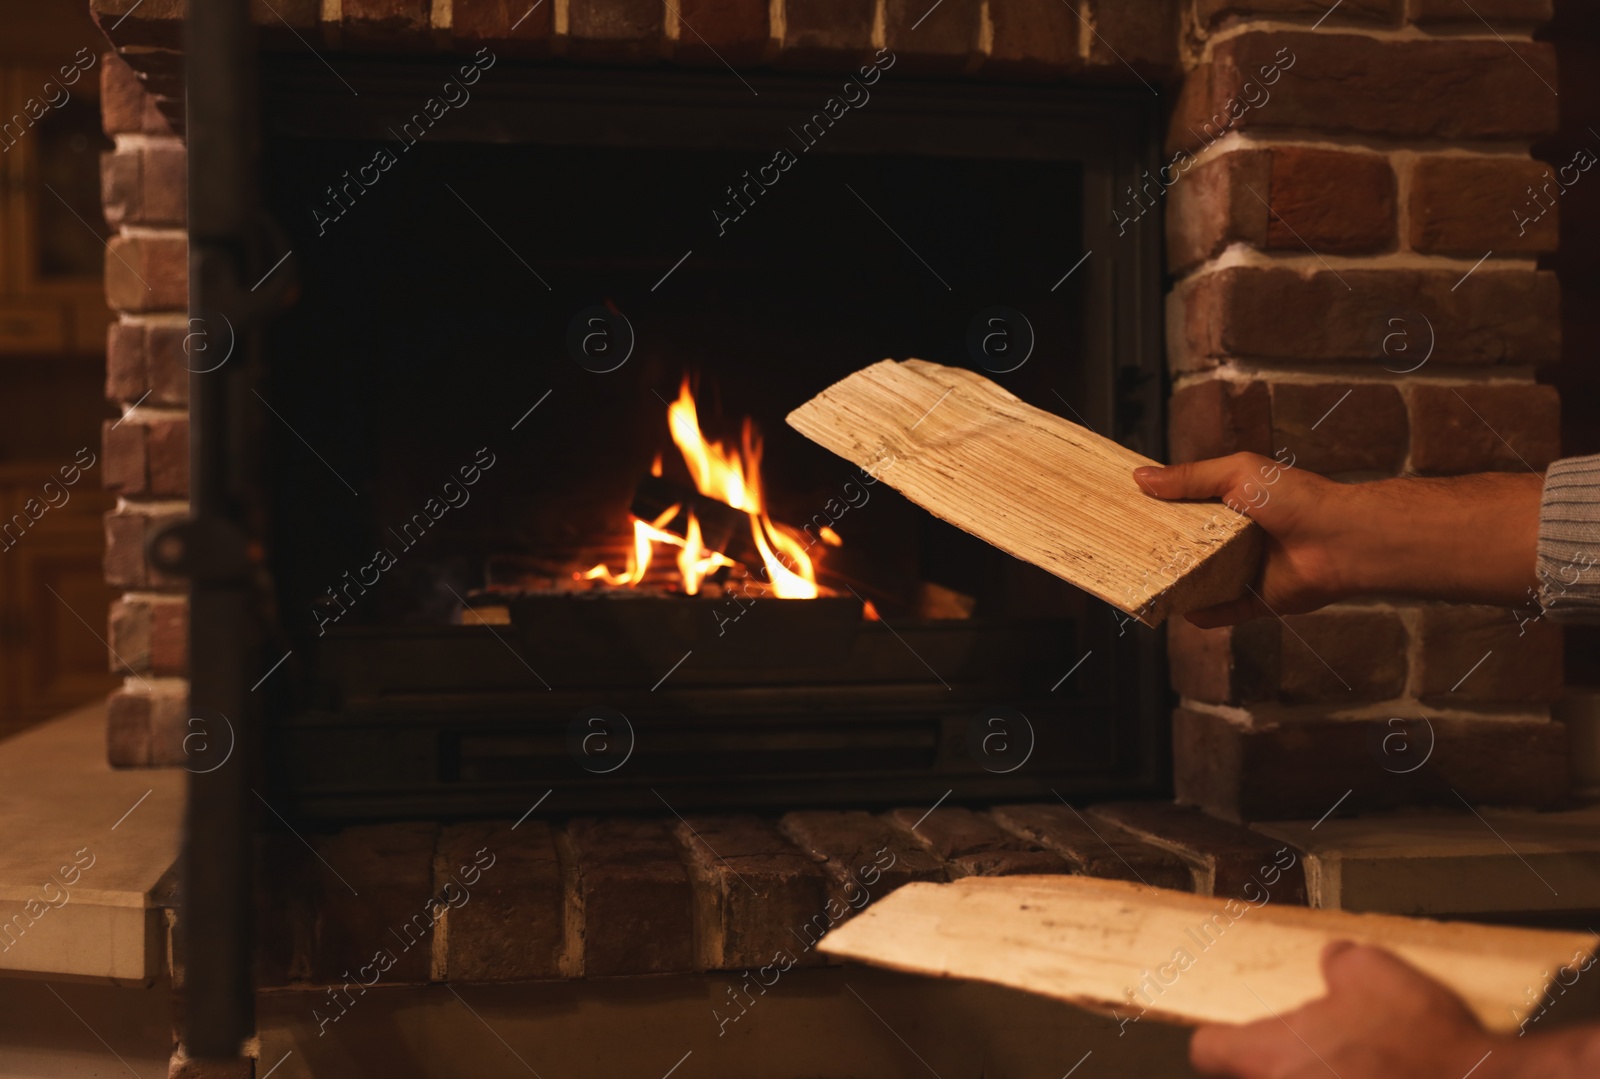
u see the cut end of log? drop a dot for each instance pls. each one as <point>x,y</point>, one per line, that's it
<point>1035,485</point>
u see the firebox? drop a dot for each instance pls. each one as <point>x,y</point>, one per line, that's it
<point>533,517</point>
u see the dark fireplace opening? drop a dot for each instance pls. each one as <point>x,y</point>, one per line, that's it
<point>466,413</point>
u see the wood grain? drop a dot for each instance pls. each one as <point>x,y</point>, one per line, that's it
<point>1149,952</point>
<point>1035,485</point>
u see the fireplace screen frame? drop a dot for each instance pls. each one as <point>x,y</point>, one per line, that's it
<point>1111,135</point>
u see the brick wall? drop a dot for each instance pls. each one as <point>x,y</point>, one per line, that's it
<point>146,451</point>
<point>1355,210</point>
<point>1372,179</point>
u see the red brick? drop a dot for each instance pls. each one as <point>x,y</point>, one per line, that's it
<point>638,905</point>
<point>144,186</point>
<point>973,845</point>
<point>1450,89</point>
<point>170,727</point>
<point>754,890</point>
<point>127,466</point>
<point>1280,315</point>
<point>386,24</point>
<point>828,33</point>
<point>1340,654</point>
<point>375,884</point>
<point>156,23</point>
<point>125,107</point>
<point>713,31</point>
<point>165,184</point>
<point>286,25</point>
<point>167,446</point>
<point>1301,770</point>
<point>169,637</point>
<point>168,363</point>
<point>490,22</point>
<point>1227,859</point>
<point>142,357</point>
<point>1473,653</point>
<point>1142,34</point>
<point>615,29</point>
<point>1472,205</point>
<point>1294,198</point>
<point>125,566</point>
<point>1383,12</point>
<point>147,273</point>
<point>128,628</point>
<point>146,726</point>
<point>1217,417</point>
<point>508,921</point>
<point>860,852</point>
<point>929,40</point>
<point>1032,39</point>
<point>119,186</point>
<point>1226,665</point>
<point>1522,14</point>
<point>126,375</point>
<point>128,729</point>
<point>1095,850</point>
<point>1339,426</point>
<point>1484,427</point>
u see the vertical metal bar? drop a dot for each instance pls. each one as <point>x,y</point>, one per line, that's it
<point>218,858</point>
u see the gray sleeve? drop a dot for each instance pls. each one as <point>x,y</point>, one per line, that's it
<point>1569,541</point>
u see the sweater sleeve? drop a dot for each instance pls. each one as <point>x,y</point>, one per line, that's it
<point>1569,541</point>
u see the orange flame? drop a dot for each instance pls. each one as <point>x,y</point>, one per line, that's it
<point>732,476</point>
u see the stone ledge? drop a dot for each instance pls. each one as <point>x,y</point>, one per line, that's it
<point>1451,864</point>
<point>106,840</point>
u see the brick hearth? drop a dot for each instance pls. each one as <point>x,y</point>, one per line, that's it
<point>622,895</point>
<point>1371,177</point>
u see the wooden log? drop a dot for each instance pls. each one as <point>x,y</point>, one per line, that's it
<point>1036,486</point>
<point>1114,946</point>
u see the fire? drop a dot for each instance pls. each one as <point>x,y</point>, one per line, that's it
<point>730,475</point>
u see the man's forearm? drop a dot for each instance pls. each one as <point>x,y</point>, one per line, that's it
<point>1466,538</point>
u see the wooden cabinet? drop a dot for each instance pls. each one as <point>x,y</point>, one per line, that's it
<point>53,600</point>
<point>52,231</point>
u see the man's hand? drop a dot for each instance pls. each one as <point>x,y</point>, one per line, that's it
<point>1381,1019</point>
<point>1469,539</point>
<point>1302,514</point>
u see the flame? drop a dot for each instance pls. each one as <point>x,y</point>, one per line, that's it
<point>729,475</point>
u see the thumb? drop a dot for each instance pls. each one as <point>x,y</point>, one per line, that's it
<point>1211,478</point>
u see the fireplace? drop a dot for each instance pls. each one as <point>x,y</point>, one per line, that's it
<point>512,453</point>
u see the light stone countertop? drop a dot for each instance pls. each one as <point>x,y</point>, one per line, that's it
<point>85,854</point>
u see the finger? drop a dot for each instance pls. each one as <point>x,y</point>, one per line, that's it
<point>1245,1052</point>
<point>1375,974</point>
<point>1228,614</point>
<point>1212,478</point>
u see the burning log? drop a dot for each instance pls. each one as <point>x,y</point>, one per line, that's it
<point>722,528</point>
<point>1034,485</point>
